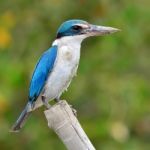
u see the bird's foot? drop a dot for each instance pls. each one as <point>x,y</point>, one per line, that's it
<point>46,104</point>
<point>73,110</point>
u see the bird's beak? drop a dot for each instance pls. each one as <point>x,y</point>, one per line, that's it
<point>94,30</point>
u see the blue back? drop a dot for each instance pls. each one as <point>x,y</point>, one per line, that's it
<point>41,72</point>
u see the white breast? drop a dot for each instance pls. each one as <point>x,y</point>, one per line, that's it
<point>65,67</point>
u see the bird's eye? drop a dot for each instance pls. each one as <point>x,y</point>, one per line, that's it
<point>76,27</point>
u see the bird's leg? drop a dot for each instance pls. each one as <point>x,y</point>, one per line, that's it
<point>73,110</point>
<point>46,104</point>
<point>31,106</point>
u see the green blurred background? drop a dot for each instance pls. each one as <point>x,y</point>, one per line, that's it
<point>112,90</point>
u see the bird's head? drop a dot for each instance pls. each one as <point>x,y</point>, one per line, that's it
<point>82,29</point>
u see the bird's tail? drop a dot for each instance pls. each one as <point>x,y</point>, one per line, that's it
<point>21,120</point>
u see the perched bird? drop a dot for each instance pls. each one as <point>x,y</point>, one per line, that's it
<point>58,65</point>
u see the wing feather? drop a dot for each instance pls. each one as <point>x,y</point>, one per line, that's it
<point>41,72</point>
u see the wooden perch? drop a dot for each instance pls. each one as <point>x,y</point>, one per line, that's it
<point>63,121</point>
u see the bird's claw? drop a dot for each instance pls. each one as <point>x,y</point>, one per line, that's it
<point>73,110</point>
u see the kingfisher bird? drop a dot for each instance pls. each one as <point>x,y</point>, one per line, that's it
<point>58,65</point>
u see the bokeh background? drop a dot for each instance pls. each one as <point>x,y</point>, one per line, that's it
<point>112,90</point>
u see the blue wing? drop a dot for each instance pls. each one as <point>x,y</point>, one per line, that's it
<point>41,72</point>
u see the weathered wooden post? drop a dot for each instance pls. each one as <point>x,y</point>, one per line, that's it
<point>62,120</point>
